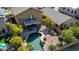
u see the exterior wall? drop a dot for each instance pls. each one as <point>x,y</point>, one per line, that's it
<point>2,24</point>
<point>71,22</point>
<point>69,11</point>
<point>35,13</point>
<point>78,12</point>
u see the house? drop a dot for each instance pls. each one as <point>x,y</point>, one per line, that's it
<point>23,13</point>
<point>3,29</point>
<point>29,18</point>
<point>61,20</point>
<point>7,11</point>
<point>74,12</point>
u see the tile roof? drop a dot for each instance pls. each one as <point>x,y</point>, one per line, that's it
<point>18,10</point>
<point>56,16</point>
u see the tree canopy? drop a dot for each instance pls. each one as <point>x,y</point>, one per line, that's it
<point>22,48</point>
<point>67,36</point>
<point>47,21</point>
<point>28,47</point>
<point>75,29</point>
<point>16,29</point>
<point>16,41</point>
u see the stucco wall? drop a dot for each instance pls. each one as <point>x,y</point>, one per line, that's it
<point>72,20</point>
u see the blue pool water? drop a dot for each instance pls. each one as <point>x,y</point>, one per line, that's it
<point>2,45</point>
<point>34,39</point>
<point>73,48</point>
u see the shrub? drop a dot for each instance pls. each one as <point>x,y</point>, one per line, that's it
<point>67,36</point>
<point>16,29</point>
<point>28,47</point>
<point>47,21</point>
<point>22,48</point>
<point>76,31</point>
<point>16,41</point>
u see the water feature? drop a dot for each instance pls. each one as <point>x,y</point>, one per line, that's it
<point>35,40</point>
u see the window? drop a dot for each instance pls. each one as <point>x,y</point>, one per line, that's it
<point>68,10</point>
<point>63,8</point>
<point>40,8</point>
<point>72,11</point>
<point>75,12</point>
<point>52,7</point>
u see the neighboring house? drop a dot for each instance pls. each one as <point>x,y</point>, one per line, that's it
<point>61,20</point>
<point>74,12</point>
<point>3,29</point>
<point>7,11</point>
<point>23,13</point>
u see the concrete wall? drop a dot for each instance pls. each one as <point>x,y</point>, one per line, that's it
<point>66,46</point>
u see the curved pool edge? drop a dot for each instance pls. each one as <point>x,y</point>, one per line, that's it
<point>42,40</point>
<point>36,42</point>
<point>42,37</point>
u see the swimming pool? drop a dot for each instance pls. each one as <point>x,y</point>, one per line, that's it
<point>35,40</point>
<point>2,45</point>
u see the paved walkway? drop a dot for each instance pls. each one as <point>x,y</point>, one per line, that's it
<point>51,40</point>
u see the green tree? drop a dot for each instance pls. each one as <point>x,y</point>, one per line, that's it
<point>75,29</point>
<point>47,21</point>
<point>67,36</point>
<point>22,48</point>
<point>16,29</point>
<point>8,24</point>
<point>28,47</point>
<point>16,41</point>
